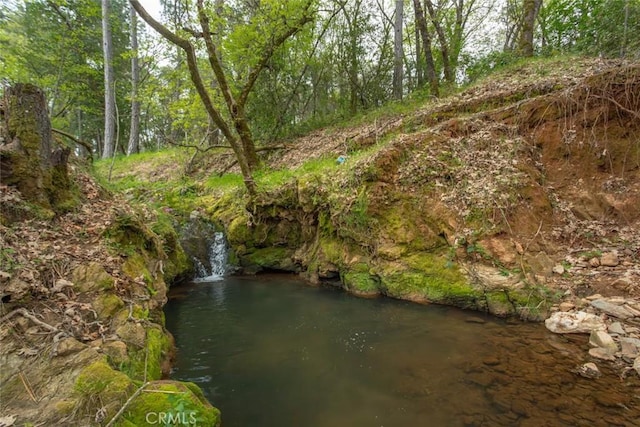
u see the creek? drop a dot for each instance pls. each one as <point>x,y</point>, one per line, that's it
<point>272,351</point>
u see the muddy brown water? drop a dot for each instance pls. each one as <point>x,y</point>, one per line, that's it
<point>273,351</point>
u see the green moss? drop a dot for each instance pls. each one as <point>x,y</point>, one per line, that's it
<point>100,386</point>
<point>156,349</point>
<point>359,280</point>
<point>499,303</point>
<point>278,258</point>
<point>128,235</point>
<point>107,304</point>
<point>177,401</point>
<point>333,250</point>
<point>92,277</point>
<point>428,277</point>
<point>238,231</point>
<point>136,266</point>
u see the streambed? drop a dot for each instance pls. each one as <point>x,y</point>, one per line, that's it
<point>273,351</point>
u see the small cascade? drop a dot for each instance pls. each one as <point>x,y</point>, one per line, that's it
<point>218,254</point>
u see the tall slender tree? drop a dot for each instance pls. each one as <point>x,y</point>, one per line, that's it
<point>134,130</point>
<point>398,52</point>
<point>109,84</point>
<point>430,66</point>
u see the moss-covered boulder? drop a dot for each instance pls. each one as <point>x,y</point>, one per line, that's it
<point>104,391</point>
<point>92,277</point>
<point>170,403</point>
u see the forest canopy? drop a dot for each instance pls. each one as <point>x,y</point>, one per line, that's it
<point>272,69</point>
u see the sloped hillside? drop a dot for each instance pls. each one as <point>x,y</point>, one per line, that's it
<point>507,197</point>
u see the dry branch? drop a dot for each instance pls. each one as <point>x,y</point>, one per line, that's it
<point>31,317</point>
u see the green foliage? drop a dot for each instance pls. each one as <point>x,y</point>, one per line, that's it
<point>57,46</point>
<point>592,27</point>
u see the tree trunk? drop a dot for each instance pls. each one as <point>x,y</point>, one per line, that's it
<point>27,160</point>
<point>419,61</point>
<point>134,132</point>
<point>430,66</point>
<point>398,53</point>
<point>109,84</point>
<point>530,9</point>
<point>444,44</point>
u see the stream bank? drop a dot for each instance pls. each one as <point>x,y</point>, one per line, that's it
<point>83,279</point>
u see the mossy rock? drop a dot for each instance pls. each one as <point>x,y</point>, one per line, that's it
<point>177,403</point>
<point>362,284</point>
<point>149,361</point>
<point>133,334</point>
<point>92,277</point>
<point>106,305</point>
<point>238,231</point>
<point>136,266</point>
<point>332,250</point>
<point>273,258</point>
<point>116,352</point>
<point>499,303</point>
<point>101,386</point>
<point>427,277</point>
<point>129,235</point>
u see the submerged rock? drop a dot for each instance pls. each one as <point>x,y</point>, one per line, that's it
<point>578,322</point>
<point>602,353</point>
<point>588,370</point>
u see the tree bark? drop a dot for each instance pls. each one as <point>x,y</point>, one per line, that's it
<point>27,159</point>
<point>196,78</point>
<point>430,66</point>
<point>398,53</point>
<point>449,75</point>
<point>530,9</point>
<point>109,84</point>
<point>134,131</point>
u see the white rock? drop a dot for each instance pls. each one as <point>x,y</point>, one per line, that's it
<point>578,322</point>
<point>558,269</point>
<point>604,340</point>
<point>636,365</point>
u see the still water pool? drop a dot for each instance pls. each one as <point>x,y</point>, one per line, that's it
<point>273,351</point>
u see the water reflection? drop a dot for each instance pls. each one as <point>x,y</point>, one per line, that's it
<point>271,351</point>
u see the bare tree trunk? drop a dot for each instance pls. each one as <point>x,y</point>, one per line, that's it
<point>134,131</point>
<point>430,68</point>
<point>530,9</point>
<point>109,84</point>
<point>398,53</point>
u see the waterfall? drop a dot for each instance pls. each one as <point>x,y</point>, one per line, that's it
<point>218,253</point>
